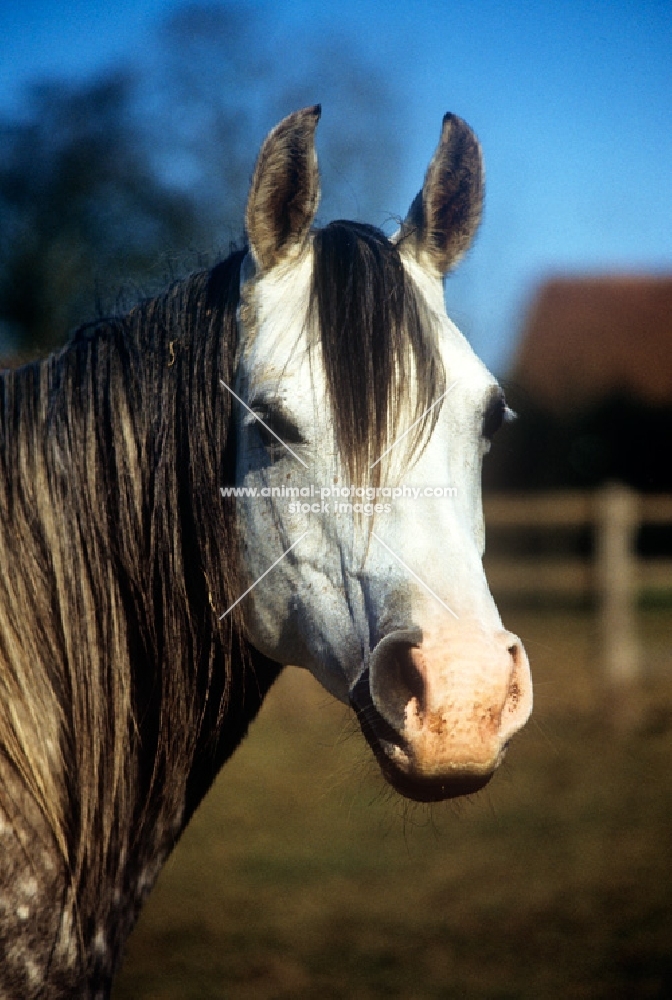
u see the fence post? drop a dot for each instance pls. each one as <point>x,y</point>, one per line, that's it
<point>617,520</point>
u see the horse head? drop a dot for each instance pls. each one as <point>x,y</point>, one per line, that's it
<point>364,418</point>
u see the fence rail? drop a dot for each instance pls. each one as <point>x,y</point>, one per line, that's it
<point>615,574</point>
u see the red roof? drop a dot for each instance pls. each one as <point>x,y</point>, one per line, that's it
<point>585,338</point>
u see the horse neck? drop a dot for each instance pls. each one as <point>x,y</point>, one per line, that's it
<point>129,694</point>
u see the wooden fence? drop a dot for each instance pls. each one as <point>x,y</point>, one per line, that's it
<point>615,575</point>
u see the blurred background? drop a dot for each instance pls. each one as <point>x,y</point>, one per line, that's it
<point>128,133</point>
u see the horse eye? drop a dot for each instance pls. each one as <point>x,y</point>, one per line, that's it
<point>270,423</point>
<point>495,415</point>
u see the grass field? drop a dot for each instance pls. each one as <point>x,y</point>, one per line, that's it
<point>301,876</point>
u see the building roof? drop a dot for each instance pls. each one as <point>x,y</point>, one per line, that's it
<point>588,337</point>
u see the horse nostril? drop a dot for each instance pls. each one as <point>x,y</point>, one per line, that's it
<point>518,693</point>
<point>397,675</point>
<point>407,667</point>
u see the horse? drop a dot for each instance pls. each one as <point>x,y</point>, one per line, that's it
<point>163,556</point>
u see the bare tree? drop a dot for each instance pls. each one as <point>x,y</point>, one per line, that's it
<point>100,185</point>
<point>79,208</point>
<point>222,83</point>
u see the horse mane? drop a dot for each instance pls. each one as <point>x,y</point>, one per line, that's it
<point>374,333</point>
<point>113,543</point>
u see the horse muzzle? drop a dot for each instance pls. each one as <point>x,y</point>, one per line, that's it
<point>439,710</point>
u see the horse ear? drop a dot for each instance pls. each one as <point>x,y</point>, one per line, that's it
<point>285,189</point>
<point>444,216</point>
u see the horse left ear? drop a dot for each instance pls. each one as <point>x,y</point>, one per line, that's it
<point>285,189</point>
<point>444,216</point>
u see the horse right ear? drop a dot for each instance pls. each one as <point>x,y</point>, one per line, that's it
<point>285,190</point>
<point>443,219</point>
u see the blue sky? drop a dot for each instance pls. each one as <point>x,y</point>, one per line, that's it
<point>571,101</point>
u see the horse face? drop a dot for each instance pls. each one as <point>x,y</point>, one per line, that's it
<point>385,602</point>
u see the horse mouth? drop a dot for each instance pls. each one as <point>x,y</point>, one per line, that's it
<point>390,749</point>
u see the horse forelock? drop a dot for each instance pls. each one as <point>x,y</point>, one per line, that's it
<point>380,352</point>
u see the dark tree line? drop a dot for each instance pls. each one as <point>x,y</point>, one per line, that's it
<point>80,207</point>
<point>109,189</point>
<point>617,438</point>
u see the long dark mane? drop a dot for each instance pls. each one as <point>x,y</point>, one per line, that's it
<point>115,672</point>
